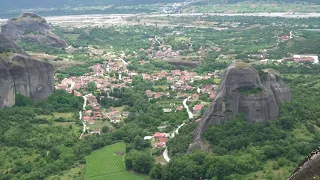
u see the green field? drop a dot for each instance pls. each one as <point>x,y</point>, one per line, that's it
<point>106,164</point>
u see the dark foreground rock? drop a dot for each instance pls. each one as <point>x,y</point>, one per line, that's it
<point>31,27</point>
<point>243,90</point>
<point>21,74</point>
<point>309,169</point>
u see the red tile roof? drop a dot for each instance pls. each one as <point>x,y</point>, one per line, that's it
<point>158,134</point>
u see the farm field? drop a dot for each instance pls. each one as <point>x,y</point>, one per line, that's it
<point>106,164</point>
<point>120,176</point>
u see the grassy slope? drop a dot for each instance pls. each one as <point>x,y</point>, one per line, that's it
<point>105,164</point>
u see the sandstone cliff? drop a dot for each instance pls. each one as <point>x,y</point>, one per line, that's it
<point>244,90</point>
<point>21,74</point>
<point>31,27</point>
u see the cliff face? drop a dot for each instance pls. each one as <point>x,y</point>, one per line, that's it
<point>22,74</point>
<point>32,27</point>
<point>7,45</point>
<point>242,90</point>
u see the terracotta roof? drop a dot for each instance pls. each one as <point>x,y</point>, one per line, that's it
<point>158,134</point>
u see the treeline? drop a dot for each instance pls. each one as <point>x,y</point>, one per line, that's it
<point>60,101</point>
<point>33,46</point>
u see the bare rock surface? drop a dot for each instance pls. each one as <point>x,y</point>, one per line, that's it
<point>31,27</point>
<point>308,169</point>
<point>243,90</point>
<point>7,45</point>
<point>21,74</point>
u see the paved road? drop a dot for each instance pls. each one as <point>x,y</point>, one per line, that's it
<point>177,130</point>
<point>165,152</point>
<point>186,106</point>
<point>72,84</point>
<point>124,62</point>
<point>80,116</point>
<point>165,155</point>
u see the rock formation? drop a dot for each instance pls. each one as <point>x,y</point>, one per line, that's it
<point>7,45</point>
<point>21,74</point>
<point>243,90</point>
<point>309,168</point>
<point>31,27</point>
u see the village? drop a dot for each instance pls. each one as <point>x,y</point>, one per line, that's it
<point>179,86</point>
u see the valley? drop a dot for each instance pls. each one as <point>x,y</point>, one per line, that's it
<point>241,90</point>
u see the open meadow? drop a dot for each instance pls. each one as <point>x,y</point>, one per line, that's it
<point>108,163</point>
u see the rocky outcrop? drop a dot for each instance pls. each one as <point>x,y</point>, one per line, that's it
<point>8,46</point>
<point>21,74</point>
<point>309,169</point>
<point>243,90</point>
<point>31,27</point>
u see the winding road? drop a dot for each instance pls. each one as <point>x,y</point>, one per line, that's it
<point>186,106</point>
<point>165,152</point>
<point>80,116</point>
<point>124,62</point>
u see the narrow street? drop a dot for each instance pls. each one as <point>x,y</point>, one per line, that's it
<point>186,106</point>
<point>165,155</point>
<point>80,116</point>
<point>165,152</point>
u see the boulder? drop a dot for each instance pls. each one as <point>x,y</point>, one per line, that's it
<point>243,89</point>
<point>21,74</point>
<point>31,27</point>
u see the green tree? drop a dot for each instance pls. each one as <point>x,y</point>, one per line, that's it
<point>105,129</point>
<point>140,162</point>
<point>157,172</point>
<point>92,87</point>
<point>22,100</point>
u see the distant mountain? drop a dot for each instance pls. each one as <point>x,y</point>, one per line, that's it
<point>12,8</point>
<point>25,4</point>
<point>28,4</point>
<point>278,1</point>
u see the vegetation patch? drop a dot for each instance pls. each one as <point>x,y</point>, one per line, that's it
<point>106,164</point>
<point>250,90</point>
